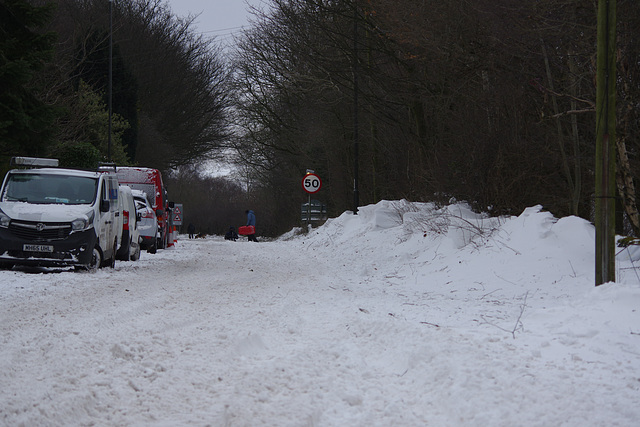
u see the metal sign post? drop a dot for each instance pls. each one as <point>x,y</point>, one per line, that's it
<point>311,183</point>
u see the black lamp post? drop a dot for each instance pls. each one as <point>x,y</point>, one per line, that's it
<point>110,84</point>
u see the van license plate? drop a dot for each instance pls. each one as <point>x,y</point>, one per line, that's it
<point>37,248</point>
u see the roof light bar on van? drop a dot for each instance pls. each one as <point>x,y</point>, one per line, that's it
<point>34,162</point>
<point>107,167</point>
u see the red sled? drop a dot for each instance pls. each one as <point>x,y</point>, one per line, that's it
<point>245,230</point>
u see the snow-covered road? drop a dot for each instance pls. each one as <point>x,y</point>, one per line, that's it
<point>357,328</point>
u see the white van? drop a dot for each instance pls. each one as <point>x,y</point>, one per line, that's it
<point>147,222</point>
<point>58,217</point>
<point>130,241</point>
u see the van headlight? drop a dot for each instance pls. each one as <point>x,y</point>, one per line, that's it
<point>83,223</point>
<point>4,220</point>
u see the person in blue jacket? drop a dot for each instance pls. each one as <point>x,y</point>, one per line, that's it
<point>251,220</point>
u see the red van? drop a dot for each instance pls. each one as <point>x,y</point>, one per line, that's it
<point>150,181</point>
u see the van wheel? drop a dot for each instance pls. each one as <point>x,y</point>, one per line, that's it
<point>96,260</point>
<point>153,248</point>
<point>112,261</point>
<point>124,253</point>
<point>136,254</point>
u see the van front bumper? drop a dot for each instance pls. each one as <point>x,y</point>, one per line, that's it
<point>74,250</point>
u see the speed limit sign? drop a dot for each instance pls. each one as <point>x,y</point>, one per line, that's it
<point>311,183</point>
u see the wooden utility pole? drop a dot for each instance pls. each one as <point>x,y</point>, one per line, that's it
<point>605,143</point>
<point>356,142</point>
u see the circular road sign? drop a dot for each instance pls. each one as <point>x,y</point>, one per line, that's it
<point>311,183</point>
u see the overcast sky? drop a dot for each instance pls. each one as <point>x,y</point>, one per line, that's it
<point>217,18</point>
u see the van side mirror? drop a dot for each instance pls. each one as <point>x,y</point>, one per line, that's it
<point>104,205</point>
<point>159,213</point>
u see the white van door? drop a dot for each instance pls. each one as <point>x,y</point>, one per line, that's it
<point>116,210</point>
<point>106,223</point>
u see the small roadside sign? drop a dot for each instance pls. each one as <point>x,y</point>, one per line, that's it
<point>177,214</point>
<point>311,183</point>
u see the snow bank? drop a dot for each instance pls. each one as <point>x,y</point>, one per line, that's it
<point>406,314</point>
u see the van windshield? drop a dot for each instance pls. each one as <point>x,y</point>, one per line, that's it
<point>49,189</point>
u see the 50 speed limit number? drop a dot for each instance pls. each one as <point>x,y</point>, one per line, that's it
<point>311,183</point>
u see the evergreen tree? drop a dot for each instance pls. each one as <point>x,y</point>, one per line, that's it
<point>26,122</point>
<point>87,120</point>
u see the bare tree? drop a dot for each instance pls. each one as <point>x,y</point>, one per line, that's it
<point>169,83</point>
<point>486,101</point>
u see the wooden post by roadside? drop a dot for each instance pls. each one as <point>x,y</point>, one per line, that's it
<point>605,143</point>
